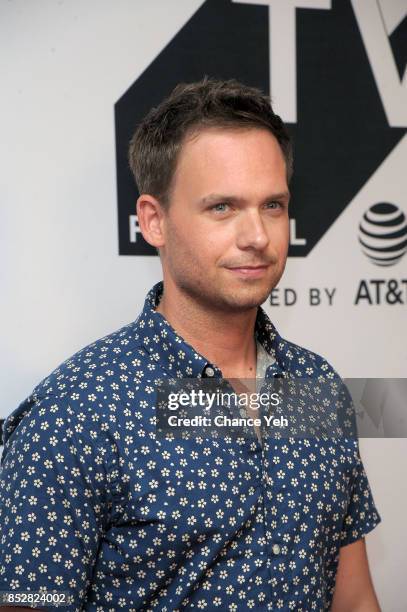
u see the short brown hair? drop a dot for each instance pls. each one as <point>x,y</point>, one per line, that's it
<point>156,143</point>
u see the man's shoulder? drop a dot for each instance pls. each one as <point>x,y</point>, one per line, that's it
<point>303,361</point>
<point>110,355</point>
<point>99,370</point>
<point>323,390</point>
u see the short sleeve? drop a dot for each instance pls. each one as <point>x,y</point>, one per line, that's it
<point>361,514</point>
<point>54,501</point>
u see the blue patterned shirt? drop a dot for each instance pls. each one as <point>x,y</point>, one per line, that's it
<point>94,503</point>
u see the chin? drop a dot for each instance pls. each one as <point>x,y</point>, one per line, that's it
<point>247,299</point>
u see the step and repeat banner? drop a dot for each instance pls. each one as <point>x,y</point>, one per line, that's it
<point>78,76</point>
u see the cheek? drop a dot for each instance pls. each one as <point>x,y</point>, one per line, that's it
<point>211,241</point>
<point>220,239</point>
<point>189,246</point>
<point>179,237</point>
<point>281,236</point>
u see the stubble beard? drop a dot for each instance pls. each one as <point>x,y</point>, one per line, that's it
<point>217,292</point>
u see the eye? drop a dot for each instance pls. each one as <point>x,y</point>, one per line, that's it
<point>218,207</point>
<point>276,205</point>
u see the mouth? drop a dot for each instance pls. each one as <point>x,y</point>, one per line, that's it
<point>249,271</point>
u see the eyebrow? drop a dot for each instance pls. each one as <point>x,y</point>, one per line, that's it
<point>216,197</point>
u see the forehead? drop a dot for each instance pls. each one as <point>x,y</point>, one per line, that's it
<point>240,153</point>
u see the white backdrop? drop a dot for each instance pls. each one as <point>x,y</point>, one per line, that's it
<point>64,65</point>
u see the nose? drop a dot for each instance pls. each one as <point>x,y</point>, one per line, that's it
<point>251,232</point>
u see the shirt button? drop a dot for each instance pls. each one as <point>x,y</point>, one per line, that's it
<point>276,549</point>
<point>209,371</point>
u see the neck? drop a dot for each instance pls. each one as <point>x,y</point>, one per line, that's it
<point>226,339</point>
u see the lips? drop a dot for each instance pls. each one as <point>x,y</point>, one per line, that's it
<point>247,267</point>
<point>249,271</point>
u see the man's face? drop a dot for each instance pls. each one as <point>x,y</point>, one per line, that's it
<point>228,210</point>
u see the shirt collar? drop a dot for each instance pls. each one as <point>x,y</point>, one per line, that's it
<point>180,359</point>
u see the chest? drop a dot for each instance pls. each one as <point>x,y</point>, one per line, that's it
<point>203,485</point>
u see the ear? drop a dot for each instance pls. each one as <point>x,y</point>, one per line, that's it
<point>150,216</point>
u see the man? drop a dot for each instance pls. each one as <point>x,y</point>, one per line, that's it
<point>94,502</point>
